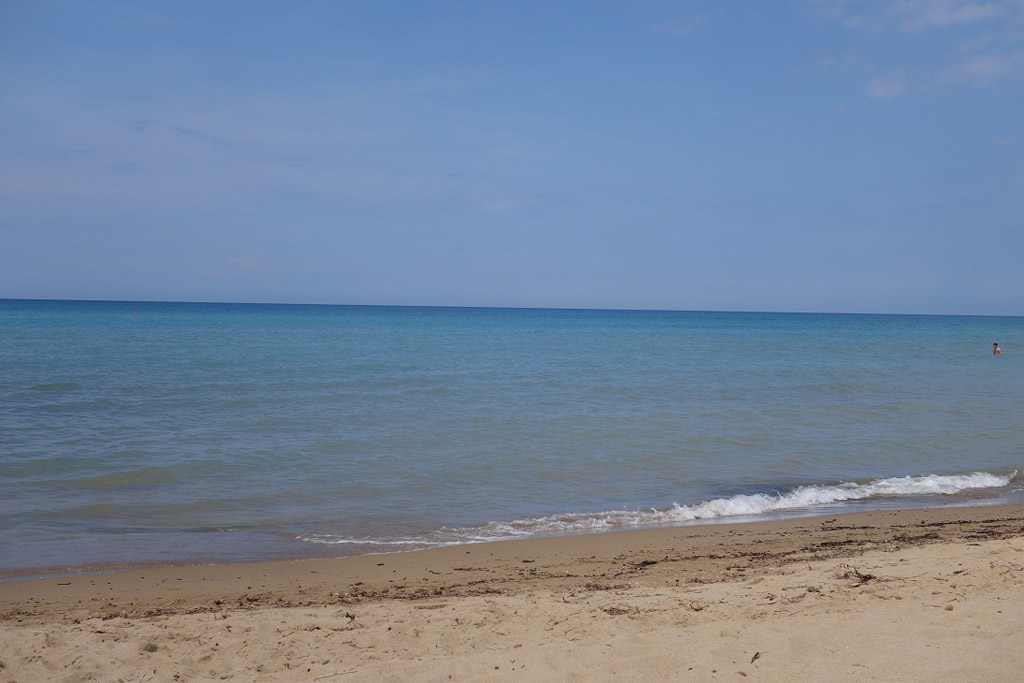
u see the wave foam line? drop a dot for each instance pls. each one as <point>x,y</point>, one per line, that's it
<point>744,505</point>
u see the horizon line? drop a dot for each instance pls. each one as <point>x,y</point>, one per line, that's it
<point>506,307</point>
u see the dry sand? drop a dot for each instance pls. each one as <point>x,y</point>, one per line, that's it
<point>886,596</point>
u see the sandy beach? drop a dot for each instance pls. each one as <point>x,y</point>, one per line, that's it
<point>889,596</point>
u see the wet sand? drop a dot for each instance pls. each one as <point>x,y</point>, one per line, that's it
<point>891,596</point>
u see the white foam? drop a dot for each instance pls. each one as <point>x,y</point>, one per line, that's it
<point>810,496</point>
<point>804,497</point>
<point>745,505</point>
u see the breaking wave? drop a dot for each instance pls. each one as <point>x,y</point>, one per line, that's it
<point>803,498</point>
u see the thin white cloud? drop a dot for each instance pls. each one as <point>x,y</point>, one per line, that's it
<point>985,41</point>
<point>857,15</point>
<point>984,69</point>
<point>887,86</point>
<point>914,16</point>
<point>921,15</point>
<point>375,146</point>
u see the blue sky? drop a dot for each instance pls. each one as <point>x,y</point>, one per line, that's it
<point>800,155</point>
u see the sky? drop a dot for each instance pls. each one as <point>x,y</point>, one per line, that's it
<point>773,155</point>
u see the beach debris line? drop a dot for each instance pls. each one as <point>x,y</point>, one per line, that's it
<point>616,611</point>
<point>849,572</point>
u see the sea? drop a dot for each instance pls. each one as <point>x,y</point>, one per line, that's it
<point>141,433</point>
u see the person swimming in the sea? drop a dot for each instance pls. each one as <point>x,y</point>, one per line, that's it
<point>996,351</point>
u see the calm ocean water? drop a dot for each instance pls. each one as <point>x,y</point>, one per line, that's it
<point>134,433</point>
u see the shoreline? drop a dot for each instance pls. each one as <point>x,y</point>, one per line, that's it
<point>835,536</point>
<point>684,598</point>
<point>16,575</point>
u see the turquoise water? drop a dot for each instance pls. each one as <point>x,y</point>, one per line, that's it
<point>168,432</point>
